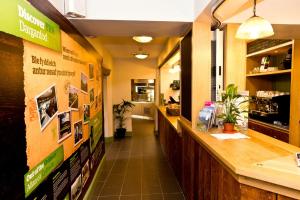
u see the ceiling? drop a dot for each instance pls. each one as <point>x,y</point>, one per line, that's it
<point>116,36</point>
<point>275,11</point>
<point>124,47</point>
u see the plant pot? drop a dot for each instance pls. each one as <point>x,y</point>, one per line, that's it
<point>120,133</point>
<point>229,128</point>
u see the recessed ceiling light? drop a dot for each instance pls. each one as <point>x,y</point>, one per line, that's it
<point>142,38</point>
<point>141,56</point>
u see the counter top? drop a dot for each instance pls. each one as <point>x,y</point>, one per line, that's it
<point>173,120</point>
<point>260,161</point>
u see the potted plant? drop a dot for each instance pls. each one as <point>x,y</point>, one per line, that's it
<point>120,110</point>
<point>231,111</point>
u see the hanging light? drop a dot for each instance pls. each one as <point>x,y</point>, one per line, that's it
<point>255,27</point>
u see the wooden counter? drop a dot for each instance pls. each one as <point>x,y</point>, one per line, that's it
<point>173,120</point>
<point>261,162</point>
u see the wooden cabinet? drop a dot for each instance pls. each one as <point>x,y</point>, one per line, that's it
<point>200,174</point>
<point>269,130</point>
<point>204,177</point>
<point>171,144</point>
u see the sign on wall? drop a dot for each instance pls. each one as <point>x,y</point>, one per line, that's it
<point>21,19</point>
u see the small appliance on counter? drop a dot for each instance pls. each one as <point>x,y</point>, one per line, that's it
<point>173,109</point>
<point>273,109</point>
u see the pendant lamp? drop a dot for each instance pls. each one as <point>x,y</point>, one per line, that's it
<point>255,27</point>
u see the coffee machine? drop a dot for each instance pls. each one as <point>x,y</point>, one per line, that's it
<point>274,109</point>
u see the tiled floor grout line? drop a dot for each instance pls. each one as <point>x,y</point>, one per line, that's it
<point>125,170</point>
<point>105,180</point>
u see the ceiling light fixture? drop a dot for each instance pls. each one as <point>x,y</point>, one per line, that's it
<point>255,27</point>
<point>141,54</point>
<point>142,38</point>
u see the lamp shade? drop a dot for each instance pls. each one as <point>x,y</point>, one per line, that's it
<point>254,28</point>
<point>142,38</point>
<point>141,55</point>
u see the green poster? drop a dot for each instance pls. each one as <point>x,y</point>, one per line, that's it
<point>21,19</point>
<point>95,129</point>
<point>39,173</point>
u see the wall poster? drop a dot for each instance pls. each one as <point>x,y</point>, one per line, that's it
<point>60,113</point>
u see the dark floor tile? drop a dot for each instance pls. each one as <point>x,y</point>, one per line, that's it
<point>92,197</point>
<point>153,197</point>
<point>108,198</point>
<point>102,176</point>
<point>151,189</point>
<point>110,191</point>
<point>131,197</point>
<point>178,196</point>
<point>170,187</point>
<point>131,189</point>
<point>95,190</point>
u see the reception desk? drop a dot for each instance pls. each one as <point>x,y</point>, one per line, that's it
<point>259,167</point>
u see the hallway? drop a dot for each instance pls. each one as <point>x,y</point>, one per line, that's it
<point>135,168</point>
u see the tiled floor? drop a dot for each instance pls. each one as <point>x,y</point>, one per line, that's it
<point>135,168</point>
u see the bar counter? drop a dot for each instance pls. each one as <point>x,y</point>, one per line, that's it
<point>259,167</point>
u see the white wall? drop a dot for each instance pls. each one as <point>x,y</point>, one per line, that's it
<point>123,71</point>
<point>142,10</point>
<point>153,10</point>
<point>166,78</point>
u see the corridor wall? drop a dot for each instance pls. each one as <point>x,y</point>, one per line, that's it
<point>50,116</point>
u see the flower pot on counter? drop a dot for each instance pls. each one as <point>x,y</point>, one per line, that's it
<point>229,128</point>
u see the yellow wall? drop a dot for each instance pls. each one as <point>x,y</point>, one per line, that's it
<point>234,58</point>
<point>171,43</point>
<point>201,66</point>
<point>108,62</point>
<point>123,71</point>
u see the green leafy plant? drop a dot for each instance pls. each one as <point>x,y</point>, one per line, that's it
<point>231,112</point>
<point>120,110</point>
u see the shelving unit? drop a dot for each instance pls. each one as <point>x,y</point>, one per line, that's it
<point>279,80</point>
<point>274,80</point>
<point>278,72</point>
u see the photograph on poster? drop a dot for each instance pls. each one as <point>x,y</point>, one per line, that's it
<point>91,71</point>
<point>64,125</point>
<point>85,173</point>
<point>86,113</point>
<point>84,83</point>
<point>47,106</point>
<point>76,188</point>
<point>78,132</point>
<point>73,97</point>
<point>92,96</point>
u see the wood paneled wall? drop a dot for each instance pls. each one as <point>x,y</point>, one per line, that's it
<point>201,66</point>
<point>234,58</point>
<point>295,96</point>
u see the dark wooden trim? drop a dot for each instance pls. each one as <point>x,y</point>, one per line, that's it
<point>50,11</point>
<point>172,52</point>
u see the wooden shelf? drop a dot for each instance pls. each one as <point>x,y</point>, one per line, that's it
<point>286,71</point>
<point>279,49</point>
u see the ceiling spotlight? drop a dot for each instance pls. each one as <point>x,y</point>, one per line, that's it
<point>141,56</point>
<point>142,38</point>
<point>255,27</point>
